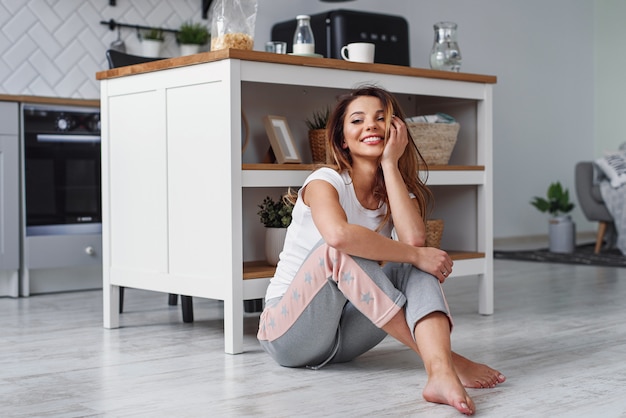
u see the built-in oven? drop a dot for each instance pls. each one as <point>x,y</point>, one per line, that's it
<point>61,203</point>
<point>62,173</point>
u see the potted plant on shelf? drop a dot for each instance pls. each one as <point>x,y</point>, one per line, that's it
<point>151,42</point>
<point>191,36</point>
<point>276,216</point>
<point>562,230</point>
<point>317,136</point>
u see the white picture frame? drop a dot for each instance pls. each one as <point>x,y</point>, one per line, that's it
<point>281,140</point>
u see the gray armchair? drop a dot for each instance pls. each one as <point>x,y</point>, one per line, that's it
<point>590,200</point>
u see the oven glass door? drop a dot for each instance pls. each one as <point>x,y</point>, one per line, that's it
<point>62,183</point>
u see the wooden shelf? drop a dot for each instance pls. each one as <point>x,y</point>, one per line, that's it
<point>311,167</point>
<point>294,175</point>
<point>465,255</point>
<point>261,270</point>
<point>257,270</point>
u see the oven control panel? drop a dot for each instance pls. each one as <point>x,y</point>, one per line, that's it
<point>65,119</point>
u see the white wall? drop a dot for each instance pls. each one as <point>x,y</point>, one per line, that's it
<point>542,54</point>
<point>541,51</point>
<point>610,88</point>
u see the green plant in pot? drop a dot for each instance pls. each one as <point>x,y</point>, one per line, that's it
<point>191,36</point>
<point>317,136</point>
<point>154,34</point>
<point>151,41</point>
<point>276,216</point>
<point>562,230</point>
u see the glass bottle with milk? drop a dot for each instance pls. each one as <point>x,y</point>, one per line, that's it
<point>303,41</point>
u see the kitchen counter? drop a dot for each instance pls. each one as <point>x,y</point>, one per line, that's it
<point>259,56</point>
<point>49,100</point>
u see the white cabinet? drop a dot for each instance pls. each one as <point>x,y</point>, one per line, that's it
<point>179,198</point>
<point>9,199</point>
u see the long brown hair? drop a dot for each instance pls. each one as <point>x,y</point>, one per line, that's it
<point>411,162</point>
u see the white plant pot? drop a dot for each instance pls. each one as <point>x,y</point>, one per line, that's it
<point>189,49</point>
<point>151,48</point>
<point>562,234</point>
<point>274,242</point>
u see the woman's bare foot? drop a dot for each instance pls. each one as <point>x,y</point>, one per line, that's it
<point>476,375</point>
<point>445,388</point>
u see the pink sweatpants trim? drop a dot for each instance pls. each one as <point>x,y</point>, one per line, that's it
<point>323,263</point>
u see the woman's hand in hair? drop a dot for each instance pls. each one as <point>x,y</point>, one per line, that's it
<point>397,141</point>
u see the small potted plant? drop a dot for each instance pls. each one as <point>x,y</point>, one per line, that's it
<point>191,36</point>
<point>561,228</point>
<point>317,136</point>
<point>151,42</point>
<point>276,216</point>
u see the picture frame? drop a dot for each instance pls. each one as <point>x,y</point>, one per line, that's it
<point>281,139</point>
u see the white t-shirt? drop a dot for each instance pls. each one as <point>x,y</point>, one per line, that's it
<point>302,234</point>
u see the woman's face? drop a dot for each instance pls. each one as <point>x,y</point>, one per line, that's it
<point>364,127</point>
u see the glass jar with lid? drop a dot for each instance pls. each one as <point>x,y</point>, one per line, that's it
<point>303,40</point>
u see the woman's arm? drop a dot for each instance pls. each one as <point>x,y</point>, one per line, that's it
<point>405,212</point>
<point>331,221</point>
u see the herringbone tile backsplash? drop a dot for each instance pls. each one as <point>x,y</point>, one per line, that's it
<point>55,47</point>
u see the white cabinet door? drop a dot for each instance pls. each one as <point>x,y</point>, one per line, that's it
<point>137,173</point>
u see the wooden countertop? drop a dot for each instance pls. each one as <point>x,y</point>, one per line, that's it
<point>260,56</point>
<point>49,100</point>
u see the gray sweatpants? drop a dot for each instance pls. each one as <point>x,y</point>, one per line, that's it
<point>335,307</point>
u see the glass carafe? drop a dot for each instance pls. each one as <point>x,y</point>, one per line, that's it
<point>445,54</point>
<point>303,41</point>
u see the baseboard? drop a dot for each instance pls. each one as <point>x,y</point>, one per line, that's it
<point>536,241</point>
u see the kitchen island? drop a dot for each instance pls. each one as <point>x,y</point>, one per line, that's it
<point>179,194</point>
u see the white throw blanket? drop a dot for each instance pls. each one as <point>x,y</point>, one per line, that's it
<point>615,200</point>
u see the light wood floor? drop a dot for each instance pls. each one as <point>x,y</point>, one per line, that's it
<point>558,333</point>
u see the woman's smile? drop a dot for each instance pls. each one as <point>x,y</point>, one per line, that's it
<point>372,140</point>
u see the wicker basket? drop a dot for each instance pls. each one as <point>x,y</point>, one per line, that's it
<point>435,141</point>
<point>319,151</point>
<point>434,232</point>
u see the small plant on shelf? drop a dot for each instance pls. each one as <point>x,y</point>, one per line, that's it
<point>318,119</point>
<point>317,136</point>
<point>275,214</point>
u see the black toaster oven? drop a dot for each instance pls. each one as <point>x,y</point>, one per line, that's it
<point>336,28</point>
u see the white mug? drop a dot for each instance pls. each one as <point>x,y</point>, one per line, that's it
<point>358,52</point>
